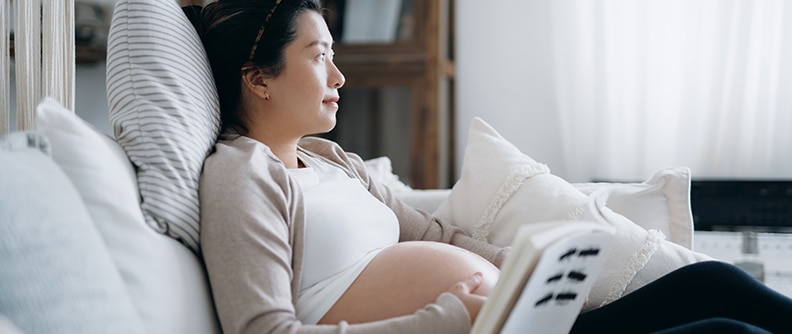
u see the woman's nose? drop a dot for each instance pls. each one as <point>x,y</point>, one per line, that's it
<point>337,78</point>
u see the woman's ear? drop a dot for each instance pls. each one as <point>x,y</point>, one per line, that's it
<point>255,81</point>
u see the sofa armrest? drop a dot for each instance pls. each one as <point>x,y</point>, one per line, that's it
<point>428,200</point>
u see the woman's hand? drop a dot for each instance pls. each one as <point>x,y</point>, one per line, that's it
<point>464,290</point>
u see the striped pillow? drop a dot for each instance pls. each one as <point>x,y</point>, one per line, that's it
<point>164,110</point>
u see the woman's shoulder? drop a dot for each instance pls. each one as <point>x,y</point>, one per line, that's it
<point>238,158</point>
<point>238,152</point>
<point>240,147</point>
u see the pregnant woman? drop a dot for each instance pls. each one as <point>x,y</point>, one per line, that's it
<point>294,232</point>
<point>295,235</point>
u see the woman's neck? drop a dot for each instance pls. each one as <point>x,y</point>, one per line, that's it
<point>284,149</point>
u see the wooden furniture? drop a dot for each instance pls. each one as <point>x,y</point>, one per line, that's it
<point>397,100</point>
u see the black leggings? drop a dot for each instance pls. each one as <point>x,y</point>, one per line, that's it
<point>705,297</point>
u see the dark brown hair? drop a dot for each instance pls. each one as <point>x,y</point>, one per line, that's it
<point>228,29</point>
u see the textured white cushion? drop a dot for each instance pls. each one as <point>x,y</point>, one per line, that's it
<point>639,256</point>
<point>165,279</point>
<point>55,273</point>
<point>164,109</point>
<point>661,203</point>
<point>501,189</point>
<point>381,170</point>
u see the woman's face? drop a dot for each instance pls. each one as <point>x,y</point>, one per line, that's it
<point>304,97</point>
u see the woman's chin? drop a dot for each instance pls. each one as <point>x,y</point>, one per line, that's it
<point>326,127</point>
<point>330,123</point>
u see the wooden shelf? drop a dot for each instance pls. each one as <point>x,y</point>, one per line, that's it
<point>422,65</point>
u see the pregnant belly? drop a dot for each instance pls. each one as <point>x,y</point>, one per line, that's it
<point>405,277</point>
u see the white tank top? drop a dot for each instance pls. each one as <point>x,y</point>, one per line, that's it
<point>345,228</point>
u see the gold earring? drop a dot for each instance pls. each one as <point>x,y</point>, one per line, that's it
<point>266,96</point>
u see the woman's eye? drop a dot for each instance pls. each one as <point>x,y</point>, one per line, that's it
<point>322,56</point>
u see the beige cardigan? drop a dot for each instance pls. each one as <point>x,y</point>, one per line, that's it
<point>252,223</point>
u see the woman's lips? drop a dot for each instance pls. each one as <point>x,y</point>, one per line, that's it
<point>333,101</point>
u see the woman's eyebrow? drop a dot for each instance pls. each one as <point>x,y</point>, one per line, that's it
<point>325,44</point>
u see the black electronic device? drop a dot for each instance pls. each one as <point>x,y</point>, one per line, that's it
<point>738,205</point>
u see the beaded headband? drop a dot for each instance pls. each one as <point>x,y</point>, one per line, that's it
<point>261,30</point>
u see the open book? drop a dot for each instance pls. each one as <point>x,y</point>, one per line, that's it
<point>546,278</point>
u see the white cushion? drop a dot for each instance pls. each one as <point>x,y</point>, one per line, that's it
<point>425,199</point>
<point>165,279</point>
<point>164,109</point>
<point>381,170</point>
<point>639,256</point>
<point>662,202</point>
<point>501,189</point>
<point>55,273</point>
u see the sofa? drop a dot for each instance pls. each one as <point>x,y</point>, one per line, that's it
<point>98,233</point>
<point>77,255</point>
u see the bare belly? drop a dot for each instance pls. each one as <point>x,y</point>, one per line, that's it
<point>406,277</point>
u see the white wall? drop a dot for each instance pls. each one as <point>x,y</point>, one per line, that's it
<point>496,55</point>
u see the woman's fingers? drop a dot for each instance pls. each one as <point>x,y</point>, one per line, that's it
<point>464,291</point>
<point>471,283</point>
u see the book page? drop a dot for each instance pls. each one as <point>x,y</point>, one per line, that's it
<point>546,278</point>
<point>559,285</point>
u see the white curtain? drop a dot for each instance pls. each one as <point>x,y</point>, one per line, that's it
<point>646,84</point>
<point>44,61</point>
